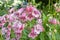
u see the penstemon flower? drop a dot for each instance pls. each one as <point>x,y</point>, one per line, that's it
<point>11,10</point>
<point>18,27</point>
<point>7,35</point>
<point>13,39</point>
<point>30,17</point>
<point>11,17</point>
<point>39,21</point>
<point>36,13</point>
<point>23,17</point>
<point>54,21</point>
<point>2,21</point>
<point>20,10</point>
<point>32,34</point>
<point>36,30</point>
<point>17,19</point>
<point>4,30</point>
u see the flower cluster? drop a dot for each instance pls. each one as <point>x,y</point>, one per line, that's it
<point>17,19</point>
<point>36,29</point>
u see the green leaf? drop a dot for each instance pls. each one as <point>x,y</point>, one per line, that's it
<point>6,24</point>
<point>12,34</point>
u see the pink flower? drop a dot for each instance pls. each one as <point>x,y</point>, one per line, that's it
<point>8,35</point>
<point>33,11</point>
<point>18,35</point>
<point>13,39</point>
<point>4,30</point>
<point>23,16</point>
<point>29,8</point>
<point>11,17</point>
<point>11,10</point>
<point>2,21</point>
<point>53,21</point>
<point>36,13</point>
<point>32,34</point>
<point>28,13</point>
<point>39,21</point>
<point>18,27</point>
<point>21,10</point>
<point>38,28</point>
<point>2,24</point>
<point>17,14</point>
<point>35,31</point>
<point>30,17</point>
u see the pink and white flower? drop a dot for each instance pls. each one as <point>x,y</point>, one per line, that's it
<point>11,17</point>
<point>11,10</point>
<point>36,30</point>
<point>4,30</point>
<point>2,21</point>
<point>36,13</point>
<point>8,35</point>
<point>32,34</point>
<point>29,8</point>
<point>18,27</point>
<point>39,21</point>
<point>21,10</point>
<point>30,17</point>
<point>23,17</point>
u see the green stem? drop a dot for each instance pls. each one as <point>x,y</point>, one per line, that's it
<point>49,4</point>
<point>33,2</point>
<point>53,36</point>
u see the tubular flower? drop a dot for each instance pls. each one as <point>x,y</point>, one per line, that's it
<point>29,8</point>
<point>2,21</point>
<point>8,35</point>
<point>18,27</point>
<point>21,10</point>
<point>36,13</point>
<point>32,34</point>
<point>39,21</point>
<point>11,10</point>
<point>11,17</point>
<point>17,19</point>
<point>4,30</point>
<point>30,17</point>
<point>36,30</point>
<point>23,17</point>
<point>53,21</point>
